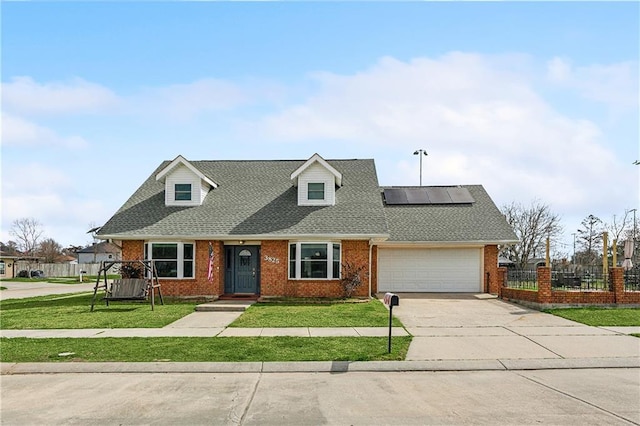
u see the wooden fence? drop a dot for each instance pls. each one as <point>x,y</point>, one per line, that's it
<point>58,269</point>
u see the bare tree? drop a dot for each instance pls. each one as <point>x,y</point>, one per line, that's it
<point>532,225</point>
<point>589,236</point>
<point>50,251</point>
<point>619,227</point>
<point>27,231</point>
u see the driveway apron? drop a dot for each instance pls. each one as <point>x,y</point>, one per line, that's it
<point>474,327</point>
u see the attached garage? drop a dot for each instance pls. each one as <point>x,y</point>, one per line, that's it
<point>427,270</point>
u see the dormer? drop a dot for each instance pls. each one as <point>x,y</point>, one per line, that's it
<point>316,181</point>
<point>184,184</point>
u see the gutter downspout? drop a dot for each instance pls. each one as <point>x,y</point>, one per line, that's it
<point>370,271</point>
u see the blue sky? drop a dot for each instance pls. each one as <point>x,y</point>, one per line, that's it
<point>536,101</point>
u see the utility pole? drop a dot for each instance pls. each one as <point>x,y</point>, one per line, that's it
<point>420,152</point>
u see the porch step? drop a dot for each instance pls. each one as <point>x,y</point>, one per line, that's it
<point>225,306</point>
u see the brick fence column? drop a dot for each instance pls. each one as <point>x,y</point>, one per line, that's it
<point>617,284</point>
<point>502,279</point>
<point>544,284</point>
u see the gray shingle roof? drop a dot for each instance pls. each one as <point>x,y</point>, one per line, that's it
<point>479,221</point>
<point>254,198</point>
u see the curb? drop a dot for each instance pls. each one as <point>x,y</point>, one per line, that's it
<point>317,366</point>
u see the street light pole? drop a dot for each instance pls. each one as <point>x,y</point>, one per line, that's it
<point>420,152</point>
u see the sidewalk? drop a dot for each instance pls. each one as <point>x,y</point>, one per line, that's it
<point>460,335</point>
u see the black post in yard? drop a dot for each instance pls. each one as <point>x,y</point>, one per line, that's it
<point>390,300</point>
<point>390,327</point>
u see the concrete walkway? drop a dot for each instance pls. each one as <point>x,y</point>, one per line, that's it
<point>450,332</point>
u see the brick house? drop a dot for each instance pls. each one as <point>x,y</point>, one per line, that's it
<point>288,228</point>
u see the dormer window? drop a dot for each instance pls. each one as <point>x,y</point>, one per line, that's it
<point>316,181</point>
<point>183,192</point>
<point>315,191</point>
<point>184,184</point>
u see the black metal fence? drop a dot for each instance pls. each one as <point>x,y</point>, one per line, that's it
<point>522,278</point>
<point>632,279</point>
<point>580,278</point>
<point>577,278</point>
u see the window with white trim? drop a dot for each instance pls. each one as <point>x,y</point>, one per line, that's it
<point>183,191</point>
<point>173,260</point>
<point>320,261</point>
<point>315,191</point>
<point>3,269</point>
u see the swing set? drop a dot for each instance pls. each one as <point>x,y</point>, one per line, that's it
<point>141,282</point>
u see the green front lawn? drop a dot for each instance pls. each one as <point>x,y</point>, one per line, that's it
<point>60,280</point>
<point>73,311</point>
<point>214,349</point>
<point>303,314</point>
<point>612,317</point>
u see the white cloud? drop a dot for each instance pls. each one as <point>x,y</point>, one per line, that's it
<point>614,84</point>
<point>17,131</point>
<point>479,118</point>
<point>25,96</point>
<point>185,100</point>
<point>50,195</point>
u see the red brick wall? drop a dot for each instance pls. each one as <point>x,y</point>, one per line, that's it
<point>274,268</point>
<point>546,296</point>
<point>274,278</point>
<point>198,286</point>
<point>517,294</point>
<point>492,280</point>
<point>132,250</point>
<point>544,284</point>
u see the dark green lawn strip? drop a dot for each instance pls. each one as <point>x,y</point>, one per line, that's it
<point>612,317</point>
<point>73,311</point>
<point>192,349</point>
<point>363,314</point>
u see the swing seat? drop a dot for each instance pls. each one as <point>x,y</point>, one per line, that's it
<point>128,289</point>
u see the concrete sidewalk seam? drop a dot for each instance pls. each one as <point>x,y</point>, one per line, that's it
<point>318,366</point>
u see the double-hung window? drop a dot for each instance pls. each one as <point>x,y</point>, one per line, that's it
<point>173,260</point>
<point>315,191</point>
<point>183,191</point>
<point>314,261</point>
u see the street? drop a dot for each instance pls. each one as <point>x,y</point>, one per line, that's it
<point>566,397</point>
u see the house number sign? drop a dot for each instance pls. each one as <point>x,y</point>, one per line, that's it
<point>271,259</point>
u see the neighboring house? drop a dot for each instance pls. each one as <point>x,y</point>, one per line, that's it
<point>96,253</point>
<point>7,265</point>
<point>287,228</point>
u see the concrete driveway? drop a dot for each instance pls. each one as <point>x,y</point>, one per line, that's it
<point>20,290</point>
<point>477,327</point>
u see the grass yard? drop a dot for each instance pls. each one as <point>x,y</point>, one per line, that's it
<point>612,317</point>
<point>215,349</point>
<point>72,311</point>
<point>338,314</point>
<point>59,280</point>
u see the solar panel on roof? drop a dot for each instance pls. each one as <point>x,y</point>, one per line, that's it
<point>438,195</point>
<point>395,196</point>
<point>417,196</point>
<point>427,196</point>
<point>460,195</point>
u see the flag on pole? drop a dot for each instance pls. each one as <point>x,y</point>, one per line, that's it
<point>210,270</point>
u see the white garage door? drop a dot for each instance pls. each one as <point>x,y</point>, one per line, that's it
<point>429,270</point>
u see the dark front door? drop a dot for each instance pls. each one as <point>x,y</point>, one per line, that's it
<point>242,272</point>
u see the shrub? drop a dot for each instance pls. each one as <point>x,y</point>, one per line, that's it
<point>352,277</point>
<point>131,270</point>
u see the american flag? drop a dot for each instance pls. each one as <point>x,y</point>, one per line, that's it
<point>210,271</point>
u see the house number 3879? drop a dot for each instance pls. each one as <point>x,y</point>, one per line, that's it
<point>272,259</point>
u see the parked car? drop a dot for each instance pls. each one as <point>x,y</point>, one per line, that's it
<point>23,274</point>
<point>37,274</point>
